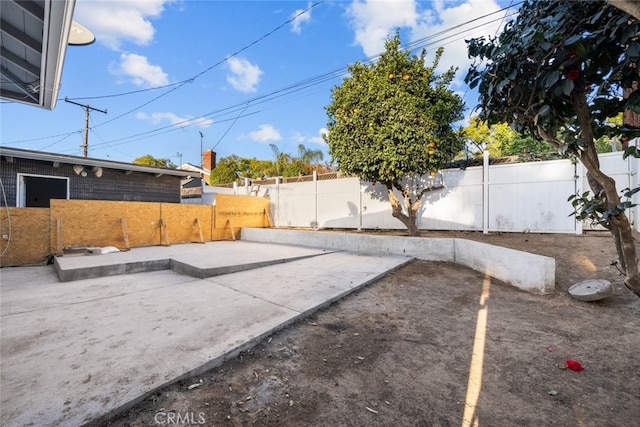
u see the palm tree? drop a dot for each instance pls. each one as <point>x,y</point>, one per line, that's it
<point>280,159</point>
<point>308,155</point>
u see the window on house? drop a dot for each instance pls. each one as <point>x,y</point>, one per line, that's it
<point>36,191</point>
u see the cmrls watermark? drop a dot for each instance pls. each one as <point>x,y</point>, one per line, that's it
<point>180,418</point>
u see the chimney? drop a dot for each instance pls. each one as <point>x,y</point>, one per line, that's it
<point>209,160</point>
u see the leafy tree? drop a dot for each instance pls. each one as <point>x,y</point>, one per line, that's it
<point>280,159</point>
<point>557,73</point>
<point>500,140</point>
<point>149,160</point>
<point>233,167</point>
<point>308,155</point>
<point>391,122</point>
<point>226,170</point>
<point>258,168</point>
<point>303,164</point>
<point>529,149</point>
<point>495,138</point>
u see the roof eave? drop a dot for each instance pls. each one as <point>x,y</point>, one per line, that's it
<point>76,160</point>
<point>58,19</point>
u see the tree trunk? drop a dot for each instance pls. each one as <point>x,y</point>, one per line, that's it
<point>620,227</point>
<point>632,7</point>
<point>597,188</point>
<point>409,220</point>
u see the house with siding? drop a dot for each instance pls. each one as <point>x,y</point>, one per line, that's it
<point>32,178</point>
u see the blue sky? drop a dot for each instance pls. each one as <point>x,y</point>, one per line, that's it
<point>244,74</point>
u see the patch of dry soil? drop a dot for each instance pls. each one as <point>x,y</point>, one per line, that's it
<point>436,344</point>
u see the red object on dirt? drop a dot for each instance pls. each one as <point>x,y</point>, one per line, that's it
<point>574,365</point>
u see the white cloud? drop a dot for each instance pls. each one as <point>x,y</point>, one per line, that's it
<point>319,139</point>
<point>244,76</point>
<point>115,22</point>
<point>265,133</point>
<point>174,119</point>
<point>374,20</point>
<point>455,17</point>
<point>141,72</point>
<point>299,138</point>
<point>296,24</point>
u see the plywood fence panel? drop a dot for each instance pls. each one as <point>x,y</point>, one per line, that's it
<point>181,221</point>
<point>98,223</point>
<point>27,232</point>
<point>239,211</point>
<point>39,232</point>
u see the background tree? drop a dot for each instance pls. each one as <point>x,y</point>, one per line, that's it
<point>391,122</point>
<point>258,169</point>
<point>500,140</point>
<point>308,155</point>
<point>226,170</point>
<point>232,168</point>
<point>304,163</point>
<point>149,160</point>
<point>558,72</point>
<point>280,159</point>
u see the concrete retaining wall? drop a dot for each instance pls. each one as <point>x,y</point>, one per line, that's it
<point>526,271</point>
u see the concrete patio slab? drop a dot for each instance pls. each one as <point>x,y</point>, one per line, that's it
<point>72,352</point>
<point>198,260</point>
<point>295,290</point>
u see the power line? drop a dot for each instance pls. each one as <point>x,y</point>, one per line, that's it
<point>192,79</point>
<point>295,88</point>
<point>332,75</point>
<point>206,70</point>
<point>229,128</point>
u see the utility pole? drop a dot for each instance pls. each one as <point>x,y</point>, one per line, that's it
<point>87,107</point>
<point>179,160</point>
<point>201,154</point>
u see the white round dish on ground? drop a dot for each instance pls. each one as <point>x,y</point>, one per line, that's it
<point>591,290</point>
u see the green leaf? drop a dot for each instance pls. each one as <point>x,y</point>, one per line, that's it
<point>567,87</point>
<point>573,39</point>
<point>628,193</point>
<point>633,51</point>
<point>544,111</point>
<point>631,151</point>
<point>551,79</point>
<point>501,85</point>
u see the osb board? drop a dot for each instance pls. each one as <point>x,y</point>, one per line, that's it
<point>98,223</point>
<point>181,221</point>
<point>28,236</point>
<point>226,233</point>
<point>241,211</point>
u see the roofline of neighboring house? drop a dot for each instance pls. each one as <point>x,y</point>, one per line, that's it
<point>77,160</point>
<point>194,168</point>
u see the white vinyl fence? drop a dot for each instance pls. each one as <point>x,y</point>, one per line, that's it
<point>516,197</point>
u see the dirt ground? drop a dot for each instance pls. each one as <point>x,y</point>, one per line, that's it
<point>436,344</point>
